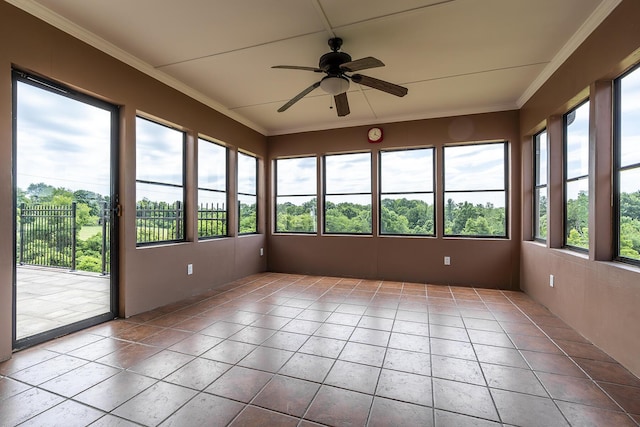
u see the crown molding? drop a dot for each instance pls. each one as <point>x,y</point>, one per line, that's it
<point>110,49</point>
<point>595,19</point>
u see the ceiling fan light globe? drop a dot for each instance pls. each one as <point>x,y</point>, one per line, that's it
<point>334,85</point>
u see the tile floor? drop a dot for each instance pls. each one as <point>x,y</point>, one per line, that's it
<point>52,297</point>
<point>287,350</point>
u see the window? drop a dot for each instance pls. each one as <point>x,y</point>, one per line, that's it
<point>247,194</point>
<point>475,190</point>
<point>576,185</point>
<point>406,192</point>
<point>540,158</point>
<point>159,182</point>
<point>628,166</point>
<point>296,201</point>
<point>347,193</point>
<point>212,189</point>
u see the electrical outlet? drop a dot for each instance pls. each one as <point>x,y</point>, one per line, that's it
<point>551,280</point>
<point>447,260</point>
<point>189,269</point>
<point>261,251</point>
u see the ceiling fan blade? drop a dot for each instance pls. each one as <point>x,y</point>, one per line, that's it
<point>361,64</point>
<point>342,104</point>
<point>391,88</point>
<point>298,97</point>
<point>297,67</point>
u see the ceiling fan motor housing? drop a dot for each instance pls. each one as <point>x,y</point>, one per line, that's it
<point>330,62</point>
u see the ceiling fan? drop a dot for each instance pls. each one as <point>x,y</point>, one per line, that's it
<point>336,65</point>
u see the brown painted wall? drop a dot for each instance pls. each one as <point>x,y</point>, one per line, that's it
<point>598,298</point>
<point>489,263</point>
<point>150,276</point>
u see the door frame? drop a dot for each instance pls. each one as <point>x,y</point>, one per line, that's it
<point>114,244</point>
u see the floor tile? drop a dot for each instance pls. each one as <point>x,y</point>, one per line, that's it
<point>455,369</point>
<point>353,376</point>
<point>66,414</point>
<point>155,404</point>
<point>386,412</point>
<point>525,410</point>
<point>498,339</point>
<point>9,387</point>
<point>252,335</point>
<point>47,370</point>
<point>408,361</point>
<point>513,379</point>
<point>576,390</point>
<point>271,322</point>
<point>467,399</point>
<point>583,350</point>
<point>300,326</point>
<point>266,359</point>
<point>321,346</point>
<point>340,332</point>
<point>114,391</point>
<point>205,409</point>
<point>288,395</point>
<point>450,419</point>
<point>608,372</point>
<point>445,320</point>
<point>412,316</point>
<point>448,333</point>
<point>500,356</point>
<point>286,341</point>
<point>22,406</point>
<point>378,323</point>
<point>80,379</point>
<point>459,349</point>
<point>406,387</point>
<point>128,356</point>
<point>229,351</point>
<point>113,421</point>
<point>99,349</point>
<point>534,343</point>
<point>166,338</point>
<point>590,416</point>
<point>161,364</point>
<point>363,353</point>
<point>409,342</point>
<point>553,363</point>
<point>222,329</point>
<point>482,325</point>
<point>252,416</point>
<point>628,397</point>
<point>338,407</point>
<point>72,342</point>
<point>316,315</point>
<point>198,373</point>
<point>307,367</point>
<point>196,344</point>
<point>370,336</point>
<point>239,383</point>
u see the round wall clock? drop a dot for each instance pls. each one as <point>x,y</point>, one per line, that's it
<point>374,134</point>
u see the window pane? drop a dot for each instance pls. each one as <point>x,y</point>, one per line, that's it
<point>248,219</point>
<point>212,166</point>
<point>348,173</point>
<point>540,218</point>
<point>407,214</point>
<point>475,214</point>
<point>159,151</point>
<point>541,158</point>
<point>406,171</point>
<point>474,167</point>
<point>296,176</point>
<point>296,214</point>
<point>577,141</point>
<point>630,213</point>
<point>577,213</point>
<point>630,119</point>
<point>348,214</point>
<point>247,174</point>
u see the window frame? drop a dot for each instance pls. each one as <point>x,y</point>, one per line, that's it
<point>183,228</point>
<point>617,166</point>
<point>277,195</point>
<point>432,192</point>
<point>225,191</point>
<point>566,180</point>
<point>536,186</point>
<point>506,191</point>
<point>325,194</point>
<point>239,193</point>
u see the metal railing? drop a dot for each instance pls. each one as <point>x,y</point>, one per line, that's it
<point>212,220</point>
<point>48,235</point>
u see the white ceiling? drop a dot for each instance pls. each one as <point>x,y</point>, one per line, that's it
<point>454,56</point>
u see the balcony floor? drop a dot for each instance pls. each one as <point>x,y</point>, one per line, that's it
<point>48,298</point>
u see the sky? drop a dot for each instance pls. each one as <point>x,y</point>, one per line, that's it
<point>61,142</point>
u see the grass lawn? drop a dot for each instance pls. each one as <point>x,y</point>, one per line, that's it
<point>89,231</point>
